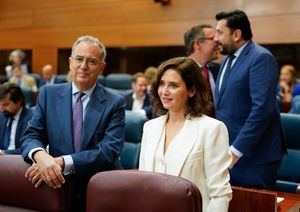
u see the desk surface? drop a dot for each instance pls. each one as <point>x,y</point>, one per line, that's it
<point>290,203</point>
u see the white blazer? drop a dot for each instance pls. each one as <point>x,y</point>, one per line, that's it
<point>203,159</point>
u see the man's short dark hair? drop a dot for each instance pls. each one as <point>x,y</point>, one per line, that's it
<point>193,34</point>
<point>16,93</point>
<point>237,19</point>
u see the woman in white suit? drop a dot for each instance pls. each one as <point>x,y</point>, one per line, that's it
<point>184,142</point>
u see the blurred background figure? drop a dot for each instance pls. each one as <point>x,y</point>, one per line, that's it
<point>150,74</point>
<point>14,117</point>
<point>23,80</point>
<point>17,58</point>
<point>139,100</point>
<point>287,87</point>
<point>49,77</point>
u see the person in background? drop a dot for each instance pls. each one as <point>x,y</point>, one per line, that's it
<point>14,118</point>
<point>245,100</point>
<point>23,80</point>
<point>139,100</point>
<point>48,76</point>
<point>287,87</point>
<point>82,122</point>
<point>16,58</point>
<point>201,47</point>
<point>183,141</point>
<point>150,74</point>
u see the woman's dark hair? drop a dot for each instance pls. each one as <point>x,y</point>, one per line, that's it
<point>191,74</point>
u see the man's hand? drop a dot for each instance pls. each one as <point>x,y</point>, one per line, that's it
<point>34,176</point>
<point>49,169</point>
<point>234,160</point>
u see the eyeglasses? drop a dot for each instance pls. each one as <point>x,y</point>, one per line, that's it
<point>207,38</point>
<point>89,61</point>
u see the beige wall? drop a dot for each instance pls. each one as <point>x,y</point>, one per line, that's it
<point>45,26</point>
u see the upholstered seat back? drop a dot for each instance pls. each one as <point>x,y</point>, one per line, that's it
<point>289,173</point>
<point>133,135</point>
<point>118,81</point>
<point>135,191</point>
<point>18,194</point>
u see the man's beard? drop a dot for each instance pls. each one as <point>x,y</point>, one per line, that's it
<point>8,114</point>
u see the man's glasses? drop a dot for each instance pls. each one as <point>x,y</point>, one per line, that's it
<point>89,61</point>
<point>207,38</point>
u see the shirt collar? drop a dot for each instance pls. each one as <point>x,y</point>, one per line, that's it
<point>18,114</point>
<point>86,92</point>
<point>134,97</point>
<point>239,51</point>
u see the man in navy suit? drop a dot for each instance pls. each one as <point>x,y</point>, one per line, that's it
<point>49,78</point>
<point>245,100</point>
<point>202,48</point>
<point>14,118</point>
<point>82,123</point>
<point>139,100</point>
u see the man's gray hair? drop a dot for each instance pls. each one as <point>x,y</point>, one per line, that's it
<point>18,53</point>
<point>193,34</point>
<point>91,40</point>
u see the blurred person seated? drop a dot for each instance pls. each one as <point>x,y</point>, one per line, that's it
<point>16,58</point>
<point>183,141</point>
<point>23,80</point>
<point>150,74</point>
<point>139,100</point>
<point>14,118</point>
<point>48,76</point>
<point>287,87</point>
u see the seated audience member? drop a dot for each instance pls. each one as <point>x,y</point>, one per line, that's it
<point>82,122</point>
<point>14,117</point>
<point>183,141</point>
<point>16,58</point>
<point>48,76</point>
<point>23,80</point>
<point>295,105</point>
<point>287,87</point>
<point>150,74</point>
<point>139,100</point>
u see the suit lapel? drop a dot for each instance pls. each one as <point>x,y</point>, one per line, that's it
<point>187,141</point>
<point>217,93</point>
<point>234,68</point>
<point>93,115</point>
<point>64,112</point>
<point>2,129</point>
<point>154,137</point>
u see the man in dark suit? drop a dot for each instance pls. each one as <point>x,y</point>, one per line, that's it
<point>49,78</point>
<point>201,47</point>
<point>139,100</point>
<point>14,118</point>
<point>82,123</point>
<point>245,100</point>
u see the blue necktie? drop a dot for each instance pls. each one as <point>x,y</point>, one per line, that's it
<point>227,71</point>
<point>6,138</point>
<point>77,121</point>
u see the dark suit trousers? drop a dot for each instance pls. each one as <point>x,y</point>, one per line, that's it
<point>261,176</point>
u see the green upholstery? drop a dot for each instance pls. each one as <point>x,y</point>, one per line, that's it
<point>133,135</point>
<point>289,173</point>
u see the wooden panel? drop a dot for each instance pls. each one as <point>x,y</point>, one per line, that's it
<point>56,24</point>
<point>43,56</point>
